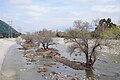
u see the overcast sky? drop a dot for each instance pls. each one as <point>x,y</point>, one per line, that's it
<point>33,15</point>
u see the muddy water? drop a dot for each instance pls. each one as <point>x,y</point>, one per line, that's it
<point>107,67</point>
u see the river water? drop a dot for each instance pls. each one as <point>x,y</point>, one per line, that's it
<point>107,66</point>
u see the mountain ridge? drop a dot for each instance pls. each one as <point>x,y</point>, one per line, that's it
<point>7,30</point>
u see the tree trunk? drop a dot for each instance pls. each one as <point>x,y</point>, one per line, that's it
<point>87,61</point>
<point>43,46</point>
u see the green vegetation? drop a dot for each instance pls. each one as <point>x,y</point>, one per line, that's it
<point>106,29</point>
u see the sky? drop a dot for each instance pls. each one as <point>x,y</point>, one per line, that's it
<point>34,15</point>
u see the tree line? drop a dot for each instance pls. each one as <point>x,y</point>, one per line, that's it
<point>83,40</point>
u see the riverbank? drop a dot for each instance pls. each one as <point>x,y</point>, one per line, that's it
<point>5,44</point>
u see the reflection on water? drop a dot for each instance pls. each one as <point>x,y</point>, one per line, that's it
<point>89,73</point>
<point>107,67</point>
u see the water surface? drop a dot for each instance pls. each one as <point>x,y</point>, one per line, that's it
<point>107,66</point>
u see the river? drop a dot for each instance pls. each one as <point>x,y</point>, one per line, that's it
<point>107,66</point>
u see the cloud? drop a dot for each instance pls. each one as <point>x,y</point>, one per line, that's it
<point>88,2</point>
<point>19,2</point>
<point>78,13</point>
<point>103,1</point>
<point>57,14</point>
<point>106,9</point>
<point>75,1</point>
<point>25,8</point>
<point>34,11</point>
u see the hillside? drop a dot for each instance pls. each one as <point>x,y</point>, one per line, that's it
<point>7,31</point>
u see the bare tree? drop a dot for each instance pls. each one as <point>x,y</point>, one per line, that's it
<point>40,38</point>
<point>81,40</point>
<point>27,40</point>
<point>44,38</point>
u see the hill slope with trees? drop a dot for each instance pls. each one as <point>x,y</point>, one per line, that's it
<point>7,31</point>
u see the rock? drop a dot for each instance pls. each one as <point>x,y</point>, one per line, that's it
<point>65,67</point>
<point>73,79</point>
<point>53,72</point>
<point>76,54</point>
<point>32,60</point>
<point>74,58</point>
<point>43,69</point>
<point>29,56</point>
<point>28,63</point>
<point>49,64</point>
<point>53,63</point>
<point>57,78</point>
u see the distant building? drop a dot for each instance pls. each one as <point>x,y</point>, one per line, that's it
<point>6,31</point>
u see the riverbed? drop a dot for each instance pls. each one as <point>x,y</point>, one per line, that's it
<point>15,67</point>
